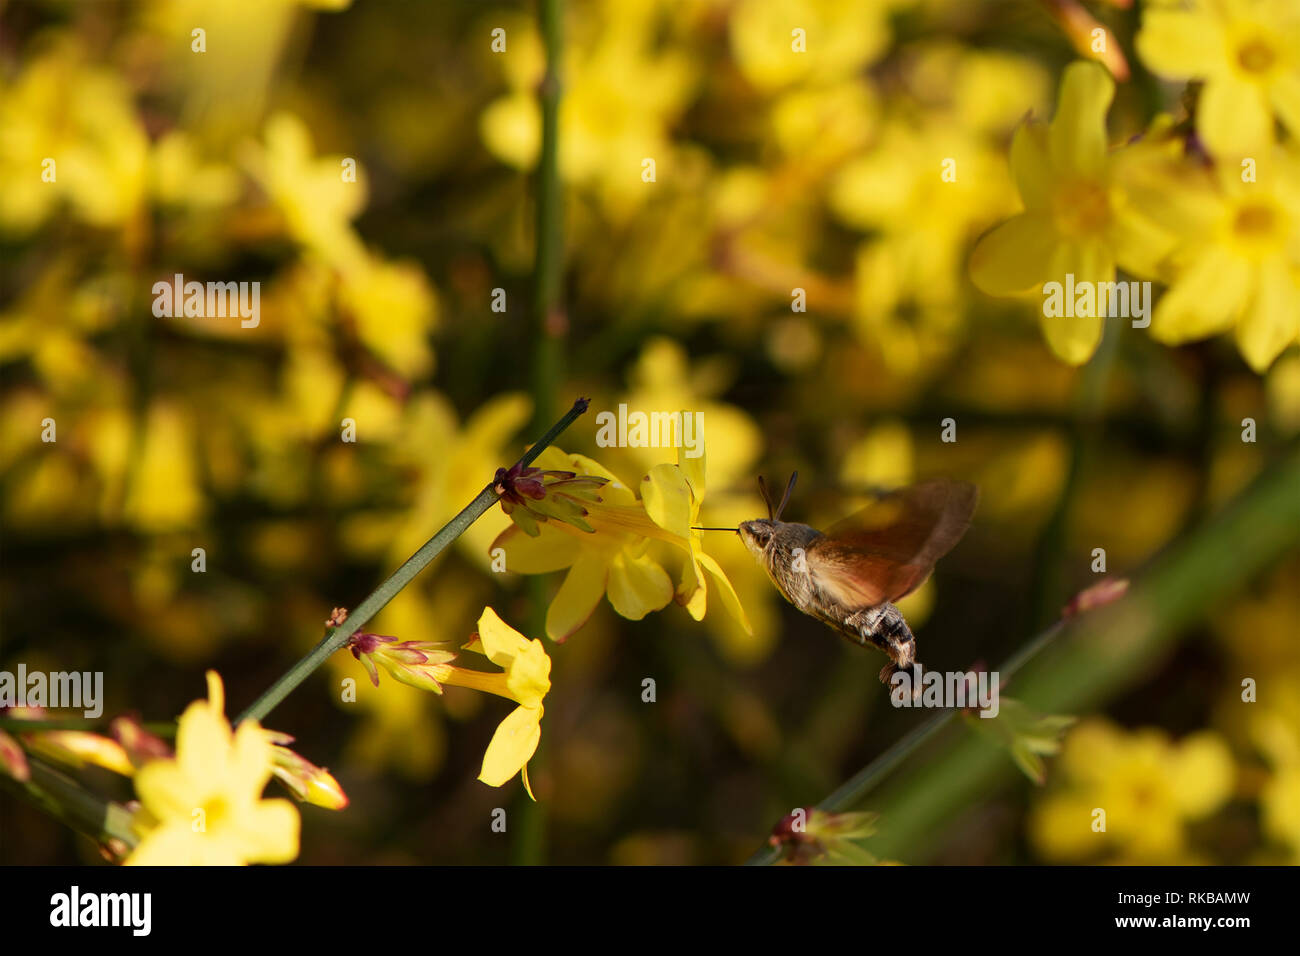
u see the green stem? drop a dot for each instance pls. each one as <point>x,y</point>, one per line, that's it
<point>529,846</point>
<point>337,637</point>
<point>66,800</point>
<point>39,724</point>
<point>856,787</point>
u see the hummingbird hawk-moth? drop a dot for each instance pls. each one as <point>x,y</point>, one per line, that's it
<point>850,575</point>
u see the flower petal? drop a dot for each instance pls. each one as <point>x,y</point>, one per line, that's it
<point>1233,118</point>
<point>1074,338</point>
<point>512,746</point>
<point>667,499</point>
<point>1077,137</point>
<point>1205,300</point>
<point>1180,44</point>
<point>1270,321</point>
<point>1031,165</point>
<point>577,597</point>
<point>1015,257</point>
<point>638,585</point>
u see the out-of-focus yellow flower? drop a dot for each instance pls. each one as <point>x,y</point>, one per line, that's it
<point>205,807</point>
<point>1148,787</point>
<point>1073,222</point>
<point>180,178</point>
<point>81,119</point>
<point>622,92</point>
<point>394,310</point>
<point>1237,265</point>
<point>309,191</point>
<point>163,489</point>
<point>664,379</point>
<point>1247,52</point>
<point>839,38</point>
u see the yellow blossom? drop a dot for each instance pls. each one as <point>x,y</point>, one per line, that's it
<point>205,807</point>
<point>1247,52</point>
<point>1237,265</point>
<point>1072,222</point>
<point>1148,787</point>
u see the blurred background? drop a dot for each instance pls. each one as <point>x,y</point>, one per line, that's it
<point>772,173</point>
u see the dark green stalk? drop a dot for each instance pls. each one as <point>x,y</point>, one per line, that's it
<point>66,800</point>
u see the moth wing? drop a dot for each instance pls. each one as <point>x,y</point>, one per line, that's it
<point>886,550</point>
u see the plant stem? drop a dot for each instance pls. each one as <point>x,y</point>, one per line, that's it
<point>380,596</point>
<point>855,788</point>
<point>66,800</point>
<point>529,846</point>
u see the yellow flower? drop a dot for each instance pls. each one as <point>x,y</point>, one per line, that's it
<point>1238,263</point>
<point>525,678</point>
<point>1247,52</point>
<point>672,495</point>
<point>205,807</point>
<point>1072,222</point>
<point>610,561</point>
<point>1148,787</point>
<point>309,191</point>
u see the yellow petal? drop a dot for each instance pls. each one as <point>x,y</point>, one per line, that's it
<point>202,739</point>
<point>1233,118</point>
<point>267,832</point>
<point>1180,44</point>
<point>216,693</point>
<point>172,844</point>
<point>1031,165</point>
<point>1074,338</point>
<point>1205,299</point>
<point>728,594</point>
<point>667,499</point>
<point>692,468</point>
<point>1016,256</point>
<point>166,790</point>
<point>512,746</point>
<point>529,677</point>
<point>552,550</point>
<point>1270,322</point>
<point>1077,136</point>
<point>249,760</point>
<point>638,585</point>
<point>577,597</point>
<point>1202,774</point>
<point>500,642</point>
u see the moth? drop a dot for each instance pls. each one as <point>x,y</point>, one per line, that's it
<point>850,575</point>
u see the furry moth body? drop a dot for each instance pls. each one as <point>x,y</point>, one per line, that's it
<point>849,576</point>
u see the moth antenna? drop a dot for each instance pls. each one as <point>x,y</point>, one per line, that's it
<point>767,498</point>
<point>785,499</point>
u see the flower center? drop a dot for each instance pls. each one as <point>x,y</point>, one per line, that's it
<point>1256,55</point>
<point>1081,208</point>
<point>215,810</point>
<point>1255,222</point>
